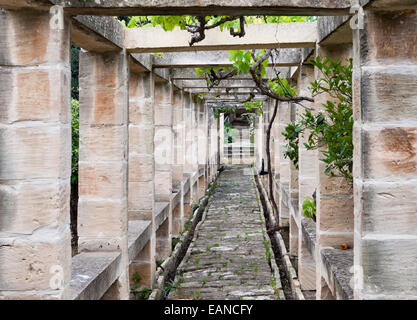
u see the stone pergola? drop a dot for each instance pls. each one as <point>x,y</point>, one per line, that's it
<point>149,149</point>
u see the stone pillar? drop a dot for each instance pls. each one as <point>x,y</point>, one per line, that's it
<point>103,176</point>
<point>293,180</point>
<point>334,196</point>
<point>284,113</point>
<point>141,197</point>
<point>385,174</point>
<point>178,165</point>
<point>194,149</point>
<point>221,137</point>
<point>188,154</point>
<point>163,112</point>
<point>202,149</point>
<point>35,156</point>
<point>307,184</point>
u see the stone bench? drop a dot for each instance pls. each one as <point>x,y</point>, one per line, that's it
<point>92,274</point>
<point>336,266</point>
<point>308,231</point>
<point>139,233</point>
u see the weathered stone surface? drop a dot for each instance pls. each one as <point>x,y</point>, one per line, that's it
<point>338,264</point>
<point>32,96</point>
<point>382,199</point>
<point>26,206</point>
<point>390,152</point>
<point>395,274</point>
<point>227,259</point>
<point>141,195</point>
<point>46,153</point>
<point>20,45</point>
<point>101,218</point>
<point>112,146</point>
<point>285,35</point>
<point>103,179</point>
<point>92,274</point>
<point>30,260</point>
<point>195,7</point>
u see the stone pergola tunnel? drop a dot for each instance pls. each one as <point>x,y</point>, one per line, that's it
<point>158,171</point>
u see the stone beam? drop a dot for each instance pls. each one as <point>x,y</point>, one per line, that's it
<point>189,74</point>
<point>222,91</point>
<point>258,36</point>
<point>197,7</point>
<point>202,84</point>
<point>194,59</point>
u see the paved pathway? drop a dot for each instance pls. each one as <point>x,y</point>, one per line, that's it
<point>228,259</point>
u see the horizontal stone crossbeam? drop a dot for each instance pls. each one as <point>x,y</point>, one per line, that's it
<point>193,59</point>
<point>258,36</point>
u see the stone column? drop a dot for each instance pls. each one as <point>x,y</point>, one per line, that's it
<point>178,166</point>
<point>202,149</point>
<point>194,149</point>
<point>307,184</point>
<point>221,137</point>
<point>293,178</point>
<point>35,156</point>
<point>334,197</point>
<point>163,112</point>
<point>188,154</point>
<point>385,171</point>
<point>284,113</point>
<point>141,198</point>
<point>103,175</point>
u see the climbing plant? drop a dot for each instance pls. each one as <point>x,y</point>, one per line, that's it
<point>331,128</point>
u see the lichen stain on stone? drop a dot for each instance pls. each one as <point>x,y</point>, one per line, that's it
<point>400,142</point>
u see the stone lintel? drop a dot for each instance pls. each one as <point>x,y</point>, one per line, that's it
<point>258,36</point>
<point>194,59</point>
<point>196,7</point>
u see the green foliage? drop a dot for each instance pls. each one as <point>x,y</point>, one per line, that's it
<point>75,66</point>
<point>309,207</point>
<point>291,133</point>
<point>332,128</point>
<point>75,140</point>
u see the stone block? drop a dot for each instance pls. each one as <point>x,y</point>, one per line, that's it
<point>141,112</point>
<point>26,206</point>
<point>27,39</point>
<point>390,152</point>
<point>141,195</point>
<point>335,214</point>
<point>141,168</point>
<point>29,95</point>
<point>141,139</point>
<point>107,180</point>
<point>380,89</point>
<point>31,261</point>
<point>389,266</point>
<point>36,151</point>
<point>102,218</point>
<point>385,200</point>
<point>103,143</point>
<point>102,71</point>
<point>103,106</point>
<point>163,114</point>
<point>163,185</point>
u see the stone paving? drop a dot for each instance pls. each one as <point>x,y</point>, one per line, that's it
<point>228,258</point>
